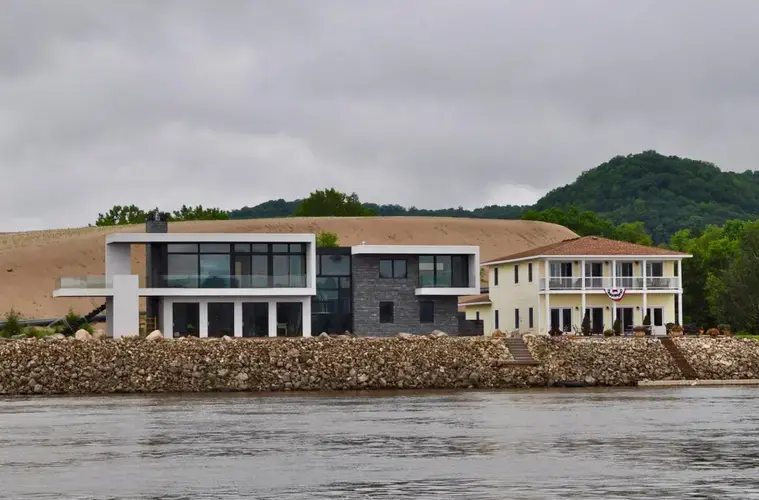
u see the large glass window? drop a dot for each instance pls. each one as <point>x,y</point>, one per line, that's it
<point>259,273</point>
<point>289,319</point>
<point>255,319</point>
<point>335,265</point>
<point>182,271</point>
<point>186,319</point>
<point>221,319</point>
<point>225,265</point>
<point>214,271</point>
<point>443,271</point>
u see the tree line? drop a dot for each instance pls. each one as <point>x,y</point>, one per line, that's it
<point>120,215</point>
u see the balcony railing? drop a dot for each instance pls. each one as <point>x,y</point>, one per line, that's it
<point>230,281</point>
<point>600,283</point>
<point>82,282</point>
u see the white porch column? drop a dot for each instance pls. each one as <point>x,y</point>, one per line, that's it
<point>125,319</point>
<point>582,279</point>
<point>203,319</point>
<point>306,317</point>
<point>680,314</point>
<point>272,318</point>
<point>547,275</point>
<point>167,326</point>
<point>644,272</point>
<point>613,273</point>
<point>238,318</point>
<point>613,313</point>
<point>680,274</point>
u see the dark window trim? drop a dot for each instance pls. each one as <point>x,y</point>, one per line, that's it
<point>516,319</point>
<point>392,267</point>
<point>392,312</point>
<point>496,319</point>
<point>529,272</point>
<point>531,318</point>
<point>421,317</point>
<point>434,269</point>
<point>516,274</point>
<point>495,276</point>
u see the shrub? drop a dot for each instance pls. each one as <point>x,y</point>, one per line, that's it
<point>647,320</point>
<point>669,326</point>
<point>617,326</point>
<point>608,333</point>
<point>555,332</point>
<point>72,322</point>
<point>325,239</point>
<point>713,332</point>
<point>725,329</point>
<point>12,324</point>
<point>585,326</point>
<point>38,331</point>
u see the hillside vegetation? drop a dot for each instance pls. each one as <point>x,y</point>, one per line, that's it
<point>665,193</point>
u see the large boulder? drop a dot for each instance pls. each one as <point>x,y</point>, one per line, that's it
<point>405,335</point>
<point>82,335</point>
<point>498,334</point>
<point>438,334</point>
<point>98,335</point>
<point>154,336</point>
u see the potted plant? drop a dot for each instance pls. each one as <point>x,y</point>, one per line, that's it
<point>676,330</point>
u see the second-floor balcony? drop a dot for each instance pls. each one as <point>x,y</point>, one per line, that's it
<point>96,282</point>
<point>600,283</point>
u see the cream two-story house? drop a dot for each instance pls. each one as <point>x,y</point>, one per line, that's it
<point>554,286</point>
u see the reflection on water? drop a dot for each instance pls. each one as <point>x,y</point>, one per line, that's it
<point>665,443</point>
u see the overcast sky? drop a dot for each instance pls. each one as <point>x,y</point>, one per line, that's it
<point>429,103</point>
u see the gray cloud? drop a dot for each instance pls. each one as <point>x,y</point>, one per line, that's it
<point>430,103</point>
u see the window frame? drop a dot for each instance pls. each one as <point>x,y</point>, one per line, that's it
<point>531,318</point>
<point>422,318</point>
<point>496,319</point>
<point>383,318</point>
<point>516,318</point>
<point>529,272</point>
<point>495,276</point>
<point>393,263</point>
<point>462,263</point>
<point>516,274</point>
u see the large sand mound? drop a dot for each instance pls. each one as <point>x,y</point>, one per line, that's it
<point>31,261</point>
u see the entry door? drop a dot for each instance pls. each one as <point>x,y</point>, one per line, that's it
<point>657,320</point>
<point>626,315</point>
<point>561,318</point>
<point>596,319</point>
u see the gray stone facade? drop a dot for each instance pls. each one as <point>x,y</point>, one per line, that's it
<point>369,290</point>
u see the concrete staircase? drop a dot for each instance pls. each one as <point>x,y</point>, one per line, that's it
<point>685,368</point>
<point>520,352</point>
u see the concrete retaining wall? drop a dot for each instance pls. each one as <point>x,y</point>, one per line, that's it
<point>133,365</point>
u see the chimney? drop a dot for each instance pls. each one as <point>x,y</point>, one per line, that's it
<point>156,222</point>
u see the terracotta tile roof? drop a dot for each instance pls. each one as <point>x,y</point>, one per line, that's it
<point>474,299</point>
<point>589,245</point>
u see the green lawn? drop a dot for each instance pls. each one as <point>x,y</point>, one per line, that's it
<point>747,336</point>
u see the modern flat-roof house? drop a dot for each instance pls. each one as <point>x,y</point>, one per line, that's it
<point>553,286</point>
<point>268,285</point>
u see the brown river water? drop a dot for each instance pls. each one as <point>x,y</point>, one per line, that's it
<point>574,443</point>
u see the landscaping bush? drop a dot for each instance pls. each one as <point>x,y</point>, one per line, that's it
<point>585,326</point>
<point>617,327</point>
<point>725,329</point>
<point>39,332</point>
<point>555,332</point>
<point>669,326</point>
<point>608,333</point>
<point>71,323</point>
<point>713,332</point>
<point>647,320</point>
<point>12,324</point>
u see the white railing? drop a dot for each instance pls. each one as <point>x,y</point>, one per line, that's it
<point>604,282</point>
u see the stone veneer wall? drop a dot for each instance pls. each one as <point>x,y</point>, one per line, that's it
<point>369,290</point>
<point>189,365</point>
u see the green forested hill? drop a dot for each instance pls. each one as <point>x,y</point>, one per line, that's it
<point>666,193</point>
